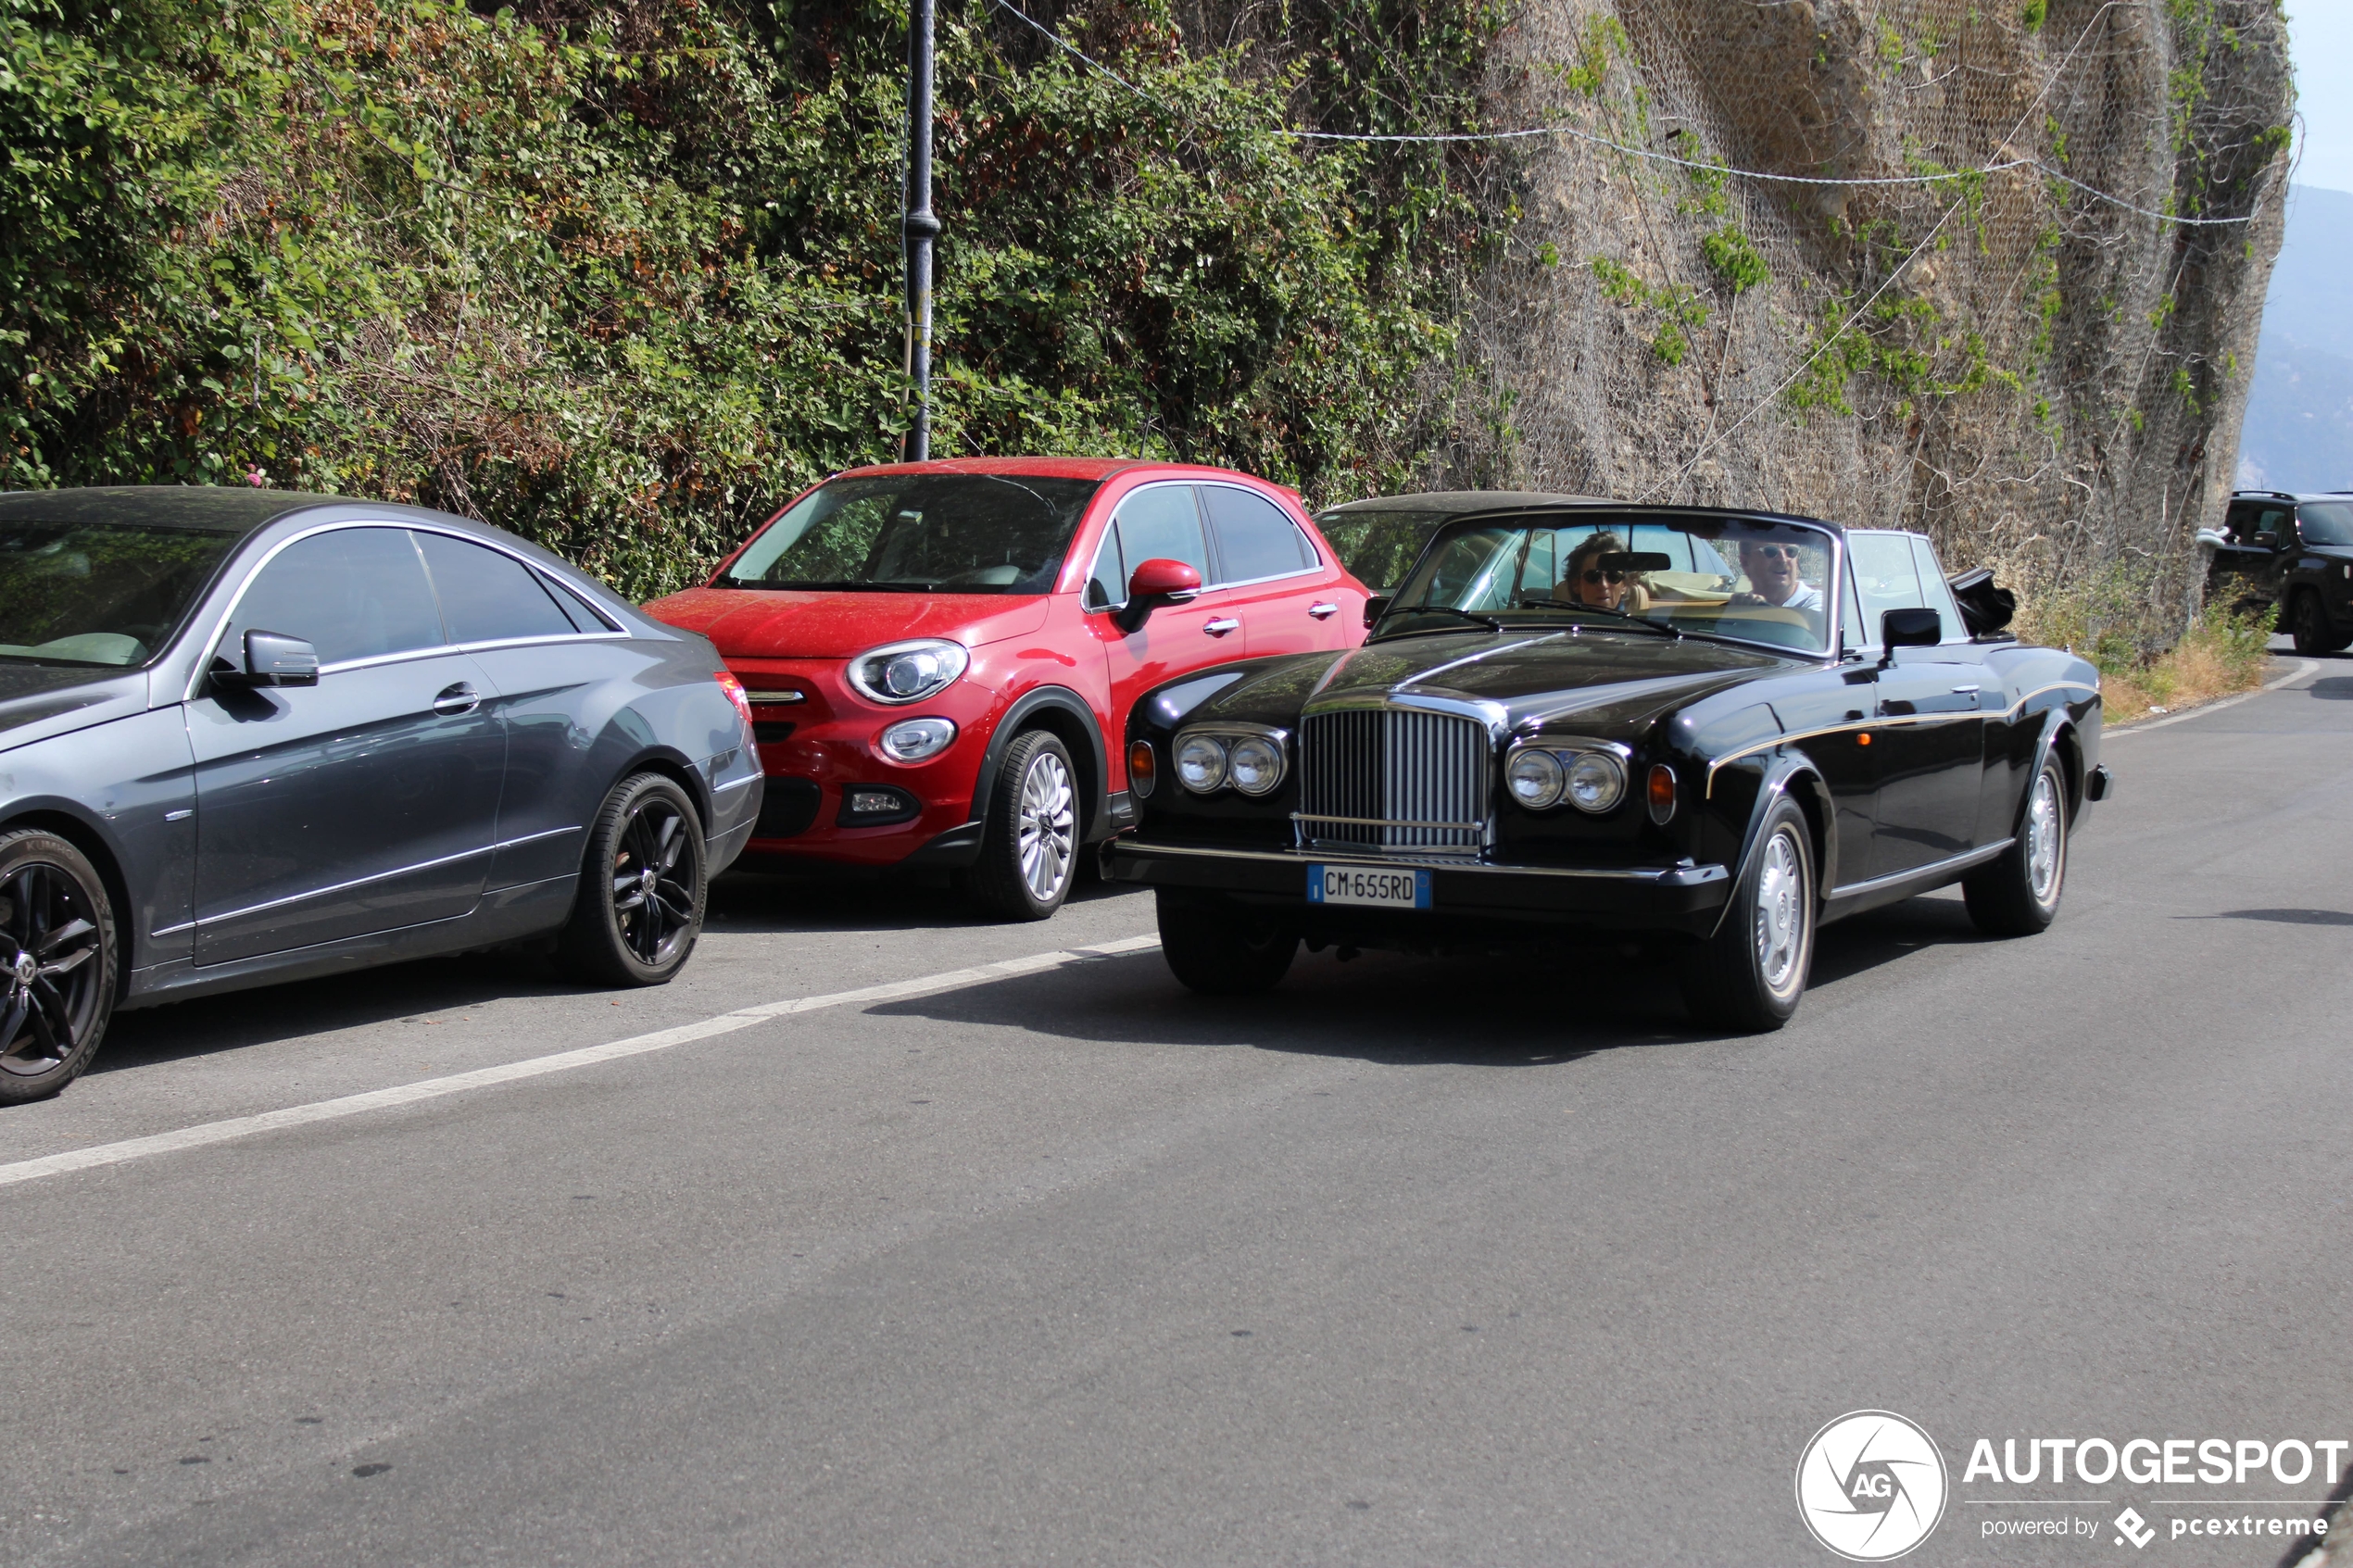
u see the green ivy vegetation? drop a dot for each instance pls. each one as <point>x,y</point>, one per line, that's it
<point>621,275</point>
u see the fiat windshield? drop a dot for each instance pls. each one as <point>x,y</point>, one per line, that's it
<point>929,532</point>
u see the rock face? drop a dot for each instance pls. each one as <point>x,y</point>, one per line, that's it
<point>1970,303</point>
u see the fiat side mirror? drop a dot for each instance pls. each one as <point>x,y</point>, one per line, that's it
<point>1909,629</point>
<point>1154,584</point>
<point>272,658</point>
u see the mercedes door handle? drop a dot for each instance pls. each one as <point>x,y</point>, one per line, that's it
<point>456,700</point>
<point>1219,628</point>
<point>1964,691</point>
<point>1323,612</point>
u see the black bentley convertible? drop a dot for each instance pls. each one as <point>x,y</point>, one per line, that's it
<point>1710,731</point>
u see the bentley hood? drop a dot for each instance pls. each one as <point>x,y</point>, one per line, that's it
<point>1605,680</point>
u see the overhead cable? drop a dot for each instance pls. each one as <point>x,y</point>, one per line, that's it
<point>1569,131</point>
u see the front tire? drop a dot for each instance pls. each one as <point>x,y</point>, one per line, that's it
<point>1219,953</point>
<point>1752,973</point>
<point>2308,623</point>
<point>643,887</point>
<point>2018,894</point>
<point>57,964</point>
<point>1029,847</point>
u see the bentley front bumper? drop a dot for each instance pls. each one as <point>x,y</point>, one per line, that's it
<point>1683,898</point>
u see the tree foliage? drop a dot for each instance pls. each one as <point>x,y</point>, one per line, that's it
<point>623,274</point>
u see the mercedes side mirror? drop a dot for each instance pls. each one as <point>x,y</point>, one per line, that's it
<point>1374,608</point>
<point>272,658</point>
<point>1155,583</point>
<point>1909,629</point>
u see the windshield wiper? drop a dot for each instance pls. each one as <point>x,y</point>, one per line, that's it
<point>1487,621</point>
<point>837,585</point>
<point>1626,616</point>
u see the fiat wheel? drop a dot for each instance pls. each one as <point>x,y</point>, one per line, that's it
<point>57,964</point>
<point>1751,972</point>
<point>1030,846</point>
<point>639,909</point>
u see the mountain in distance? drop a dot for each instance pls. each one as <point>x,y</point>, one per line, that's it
<point>2298,433</point>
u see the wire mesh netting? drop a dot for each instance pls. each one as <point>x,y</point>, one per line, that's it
<point>2005,289</point>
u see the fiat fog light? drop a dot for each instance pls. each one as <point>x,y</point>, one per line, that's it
<point>1254,764</point>
<point>1536,779</point>
<point>912,740</point>
<point>1201,763</point>
<point>902,672</point>
<point>1596,781</point>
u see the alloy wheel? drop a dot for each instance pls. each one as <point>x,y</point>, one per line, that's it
<point>2044,843</point>
<point>1048,826</point>
<point>1780,913</point>
<point>654,896</point>
<point>49,999</point>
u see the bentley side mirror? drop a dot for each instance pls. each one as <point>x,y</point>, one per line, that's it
<point>272,658</point>
<point>1374,608</point>
<point>1155,583</point>
<point>1908,629</point>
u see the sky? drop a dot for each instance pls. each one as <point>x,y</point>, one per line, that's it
<point>2321,43</point>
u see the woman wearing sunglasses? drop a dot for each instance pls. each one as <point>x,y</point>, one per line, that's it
<point>1589,580</point>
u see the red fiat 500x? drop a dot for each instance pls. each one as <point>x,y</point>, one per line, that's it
<point>941,655</point>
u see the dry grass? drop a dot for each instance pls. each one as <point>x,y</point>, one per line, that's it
<point>2220,654</point>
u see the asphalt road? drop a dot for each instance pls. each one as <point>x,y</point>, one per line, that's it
<point>1414,1262</point>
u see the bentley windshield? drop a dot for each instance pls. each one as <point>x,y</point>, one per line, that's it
<point>1756,580</point>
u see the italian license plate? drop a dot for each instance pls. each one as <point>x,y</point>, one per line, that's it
<point>1403,887</point>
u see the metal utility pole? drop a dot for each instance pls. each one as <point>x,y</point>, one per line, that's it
<point>922,227</point>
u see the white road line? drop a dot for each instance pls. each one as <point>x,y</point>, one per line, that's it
<point>2303,667</point>
<point>533,1067</point>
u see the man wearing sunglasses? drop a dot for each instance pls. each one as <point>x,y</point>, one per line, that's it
<point>1772,576</point>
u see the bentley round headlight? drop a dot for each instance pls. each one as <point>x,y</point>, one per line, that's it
<point>1254,764</point>
<point>1596,781</point>
<point>1535,779</point>
<point>1201,763</point>
<point>908,672</point>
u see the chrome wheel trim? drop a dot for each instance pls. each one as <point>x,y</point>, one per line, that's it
<point>2045,840</point>
<point>48,985</point>
<point>655,881</point>
<point>1780,913</point>
<point>1047,827</point>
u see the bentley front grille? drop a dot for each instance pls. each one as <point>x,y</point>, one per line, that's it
<point>1393,781</point>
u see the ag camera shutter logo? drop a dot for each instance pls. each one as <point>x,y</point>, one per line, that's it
<point>1871,1486</point>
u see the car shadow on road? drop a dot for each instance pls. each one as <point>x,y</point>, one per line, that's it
<point>765,903</point>
<point>750,905</point>
<point>205,1024</point>
<point>1533,1009</point>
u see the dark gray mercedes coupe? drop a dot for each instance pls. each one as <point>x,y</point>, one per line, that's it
<point>1706,732</point>
<point>249,736</point>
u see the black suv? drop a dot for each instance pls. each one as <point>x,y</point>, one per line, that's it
<point>2292,551</point>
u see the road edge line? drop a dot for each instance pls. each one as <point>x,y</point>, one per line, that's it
<point>207,1133</point>
<point>2303,667</point>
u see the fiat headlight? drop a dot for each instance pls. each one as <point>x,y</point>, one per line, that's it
<point>912,740</point>
<point>900,672</point>
<point>1596,781</point>
<point>1201,763</point>
<point>1536,779</point>
<point>1254,764</point>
